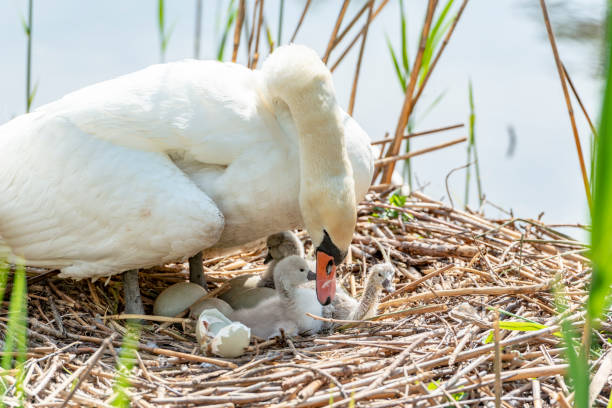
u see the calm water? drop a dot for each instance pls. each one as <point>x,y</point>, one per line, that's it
<point>501,45</point>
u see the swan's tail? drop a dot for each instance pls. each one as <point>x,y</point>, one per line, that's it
<point>295,72</point>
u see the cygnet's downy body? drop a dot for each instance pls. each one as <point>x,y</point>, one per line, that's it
<point>286,244</point>
<point>280,246</point>
<point>380,277</point>
<point>249,290</point>
<point>244,292</point>
<point>288,308</point>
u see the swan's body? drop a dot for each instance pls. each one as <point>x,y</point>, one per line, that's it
<point>288,308</point>
<point>157,165</point>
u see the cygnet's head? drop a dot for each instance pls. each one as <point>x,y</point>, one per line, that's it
<point>381,276</point>
<point>282,245</point>
<point>292,271</point>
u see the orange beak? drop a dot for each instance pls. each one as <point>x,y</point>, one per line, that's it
<point>326,278</point>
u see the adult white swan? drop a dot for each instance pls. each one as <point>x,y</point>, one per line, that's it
<point>157,165</point>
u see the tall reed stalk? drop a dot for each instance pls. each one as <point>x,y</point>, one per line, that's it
<point>599,300</point>
<point>281,14</point>
<point>127,360</point>
<point>15,339</point>
<point>27,27</point>
<point>232,12</point>
<point>198,30</point>
<point>415,76</point>
<point>472,152</point>
<point>164,32</point>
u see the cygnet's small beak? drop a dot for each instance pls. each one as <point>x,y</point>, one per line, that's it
<point>388,286</point>
<point>311,275</point>
<point>268,258</point>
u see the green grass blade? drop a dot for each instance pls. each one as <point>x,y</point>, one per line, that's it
<point>398,71</point>
<point>161,28</point>
<point>574,353</point>
<point>431,106</point>
<point>405,55</point>
<point>127,359</point>
<point>232,12</point>
<point>28,30</point>
<point>15,335</point>
<point>601,235</point>
<point>430,44</point>
<point>472,148</point>
<point>4,270</point>
<point>160,16</point>
<point>518,326</point>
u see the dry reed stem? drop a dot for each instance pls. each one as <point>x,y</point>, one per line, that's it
<point>415,134</point>
<point>89,364</point>
<point>575,92</point>
<point>434,62</point>
<point>354,40</point>
<point>408,105</point>
<point>358,67</point>
<point>467,246</point>
<point>350,25</point>
<point>498,362</point>
<point>128,316</point>
<point>412,285</point>
<point>332,38</point>
<point>392,159</point>
<point>252,33</point>
<point>238,29</point>
<point>297,28</point>
<point>492,290</point>
<point>568,102</point>
<point>255,58</point>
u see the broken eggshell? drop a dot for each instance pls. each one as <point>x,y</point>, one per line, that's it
<point>221,336</point>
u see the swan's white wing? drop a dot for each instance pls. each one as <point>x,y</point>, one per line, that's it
<point>360,154</point>
<point>209,110</point>
<point>88,206</point>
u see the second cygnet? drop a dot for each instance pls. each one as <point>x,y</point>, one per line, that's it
<point>280,246</point>
<point>288,308</point>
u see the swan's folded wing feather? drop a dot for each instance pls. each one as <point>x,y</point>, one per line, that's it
<point>210,110</point>
<point>72,201</point>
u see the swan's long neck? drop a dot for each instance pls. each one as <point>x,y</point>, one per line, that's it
<point>369,301</point>
<point>298,81</point>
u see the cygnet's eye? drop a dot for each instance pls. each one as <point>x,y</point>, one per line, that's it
<point>379,274</point>
<point>301,269</point>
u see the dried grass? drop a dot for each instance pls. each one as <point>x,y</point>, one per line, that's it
<point>425,347</point>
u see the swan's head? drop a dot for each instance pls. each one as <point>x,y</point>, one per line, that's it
<point>292,272</point>
<point>381,276</point>
<point>329,216</point>
<point>282,245</point>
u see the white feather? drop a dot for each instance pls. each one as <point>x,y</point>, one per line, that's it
<point>155,166</point>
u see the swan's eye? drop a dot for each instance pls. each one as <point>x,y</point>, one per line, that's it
<point>380,274</point>
<point>301,269</point>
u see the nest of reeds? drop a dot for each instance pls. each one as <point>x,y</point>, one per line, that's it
<point>473,315</point>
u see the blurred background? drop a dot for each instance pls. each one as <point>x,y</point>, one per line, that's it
<point>527,156</point>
